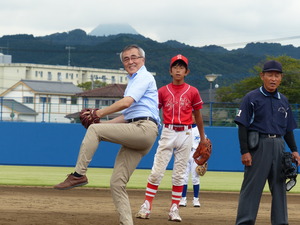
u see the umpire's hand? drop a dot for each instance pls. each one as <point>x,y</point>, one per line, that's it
<point>247,159</point>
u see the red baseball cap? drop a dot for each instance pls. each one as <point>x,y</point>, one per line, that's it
<point>179,57</point>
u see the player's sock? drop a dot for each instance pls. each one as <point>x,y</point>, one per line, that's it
<point>184,190</point>
<point>176,194</point>
<point>196,189</point>
<point>150,193</point>
<point>77,174</point>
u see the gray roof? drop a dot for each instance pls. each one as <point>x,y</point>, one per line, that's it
<point>52,87</point>
<point>18,107</point>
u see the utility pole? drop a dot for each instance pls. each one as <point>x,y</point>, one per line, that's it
<point>69,54</point>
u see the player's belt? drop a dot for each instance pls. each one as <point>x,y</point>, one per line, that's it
<point>270,136</point>
<point>178,127</point>
<point>142,118</point>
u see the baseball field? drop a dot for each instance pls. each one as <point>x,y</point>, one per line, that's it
<point>27,198</point>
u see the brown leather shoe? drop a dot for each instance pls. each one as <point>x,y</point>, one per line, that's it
<point>72,182</point>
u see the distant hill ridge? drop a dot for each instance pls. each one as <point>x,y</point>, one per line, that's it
<point>102,52</point>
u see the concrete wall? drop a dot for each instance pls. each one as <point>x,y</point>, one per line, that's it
<point>55,144</point>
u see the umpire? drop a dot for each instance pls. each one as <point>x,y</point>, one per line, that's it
<point>265,121</point>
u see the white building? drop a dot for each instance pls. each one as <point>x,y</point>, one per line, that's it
<point>47,93</point>
<point>11,73</point>
<point>5,58</point>
<point>40,101</point>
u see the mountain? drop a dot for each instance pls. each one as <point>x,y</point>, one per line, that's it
<point>113,29</point>
<point>102,52</point>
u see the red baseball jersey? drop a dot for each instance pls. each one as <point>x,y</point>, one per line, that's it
<point>178,103</point>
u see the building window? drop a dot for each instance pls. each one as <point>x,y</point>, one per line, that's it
<point>41,74</point>
<point>97,104</point>
<point>74,100</point>
<point>86,103</point>
<point>62,100</point>
<point>103,78</point>
<point>71,76</point>
<point>113,79</point>
<point>106,102</point>
<point>49,76</point>
<point>59,77</point>
<point>121,79</point>
<point>27,100</point>
<point>45,99</point>
<point>36,74</point>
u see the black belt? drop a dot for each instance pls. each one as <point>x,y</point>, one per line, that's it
<point>141,118</point>
<point>270,136</point>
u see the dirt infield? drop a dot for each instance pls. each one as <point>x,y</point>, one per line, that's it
<point>88,206</point>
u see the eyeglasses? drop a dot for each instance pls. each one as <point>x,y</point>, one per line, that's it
<point>132,58</point>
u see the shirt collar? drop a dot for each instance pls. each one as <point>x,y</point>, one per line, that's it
<point>133,75</point>
<point>266,93</point>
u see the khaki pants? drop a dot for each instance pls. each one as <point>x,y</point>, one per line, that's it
<point>136,140</point>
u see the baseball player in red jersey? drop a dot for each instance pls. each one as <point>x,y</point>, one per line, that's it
<point>179,101</point>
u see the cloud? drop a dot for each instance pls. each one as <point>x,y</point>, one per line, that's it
<point>197,23</point>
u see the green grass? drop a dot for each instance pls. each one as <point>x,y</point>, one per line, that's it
<point>98,177</point>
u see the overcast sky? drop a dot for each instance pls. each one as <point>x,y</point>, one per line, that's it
<point>227,23</point>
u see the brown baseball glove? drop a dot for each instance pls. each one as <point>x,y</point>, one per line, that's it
<point>88,116</point>
<point>203,152</point>
<point>201,169</point>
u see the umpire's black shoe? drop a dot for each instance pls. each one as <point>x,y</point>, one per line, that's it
<point>72,182</point>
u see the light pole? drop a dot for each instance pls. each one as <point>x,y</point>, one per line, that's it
<point>210,78</point>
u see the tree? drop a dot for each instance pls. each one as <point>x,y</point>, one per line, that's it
<point>289,87</point>
<point>91,85</point>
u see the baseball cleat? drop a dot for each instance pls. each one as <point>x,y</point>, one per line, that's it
<point>144,212</point>
<point>183,202</point>
<point>196,202</point>
<point>174,214</point>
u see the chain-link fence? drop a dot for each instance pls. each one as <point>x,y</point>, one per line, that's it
<point>214,113</point>
<point>223,114</point>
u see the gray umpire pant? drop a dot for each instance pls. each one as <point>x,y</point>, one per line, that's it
<point>266,165</point>
<point>136,139</point>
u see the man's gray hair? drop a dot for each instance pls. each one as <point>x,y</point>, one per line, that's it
<point>141,51</point>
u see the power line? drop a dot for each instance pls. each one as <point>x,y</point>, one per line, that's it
<point>267,40</point>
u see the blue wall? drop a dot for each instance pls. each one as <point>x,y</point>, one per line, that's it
<point>53,144</point>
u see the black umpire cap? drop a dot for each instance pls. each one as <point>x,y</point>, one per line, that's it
<point>272,65</point>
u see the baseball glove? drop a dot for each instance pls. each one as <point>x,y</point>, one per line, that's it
<point>203,152</point>
<point>88,116</point>
<point>201,169</point>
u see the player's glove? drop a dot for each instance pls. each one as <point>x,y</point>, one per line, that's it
<point>203,152</point>
<point>201,169</point>
<point>88,116</point>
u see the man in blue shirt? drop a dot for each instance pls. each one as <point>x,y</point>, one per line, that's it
<point>135,130</point>
<point>264,118</point>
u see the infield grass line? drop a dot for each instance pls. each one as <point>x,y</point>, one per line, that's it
<point>100,177</point>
